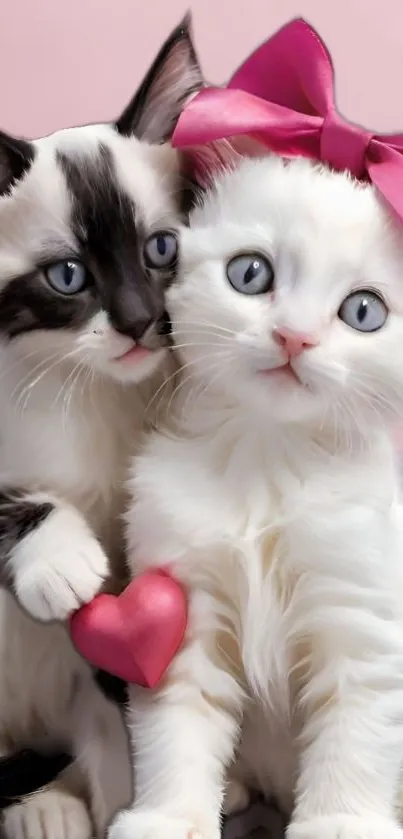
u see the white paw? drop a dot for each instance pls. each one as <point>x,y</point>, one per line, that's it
<point>52,814</point>
<point>58,567</point>
<point>132,824</point>
<point>340,826</point>
<point>236,797</point>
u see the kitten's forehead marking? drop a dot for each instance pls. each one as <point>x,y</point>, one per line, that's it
<point>102,214</point>
<point>147,173</point>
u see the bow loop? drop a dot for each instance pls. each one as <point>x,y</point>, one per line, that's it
<point>343,145</point>
<point>292,69</point>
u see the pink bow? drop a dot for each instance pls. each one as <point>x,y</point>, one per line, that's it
<point>283,97</point>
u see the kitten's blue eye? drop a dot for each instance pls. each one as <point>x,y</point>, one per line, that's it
<point>67,277</point>
<point>364,311</point>
<point>161,250</point>
<point>251,273</point>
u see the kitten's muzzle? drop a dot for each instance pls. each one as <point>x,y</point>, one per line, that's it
<point>156,334</point>
<point>293,343</point>
<point>148,333</point>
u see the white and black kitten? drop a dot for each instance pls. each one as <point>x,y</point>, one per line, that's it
<point>82,351</point>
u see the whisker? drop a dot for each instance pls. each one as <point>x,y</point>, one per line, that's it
<point>197,333</point>
<point>67,402</point>
<point>217,326</point>
<point>198,393</point>
<point>160,390</point>
<point>32,371</point>
<point>198,344</point>
<point>21,360</point>
<point>29,388</point>
<point>184,380</point>
<point>65,383</point>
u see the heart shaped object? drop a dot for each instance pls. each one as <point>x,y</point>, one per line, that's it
<point>136,635</point>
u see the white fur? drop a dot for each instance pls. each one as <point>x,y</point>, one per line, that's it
<point>277,505</point>
<point>70,416</point>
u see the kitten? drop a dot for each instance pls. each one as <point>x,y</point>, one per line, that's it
<point>273,495</point>
<point>83,348</point>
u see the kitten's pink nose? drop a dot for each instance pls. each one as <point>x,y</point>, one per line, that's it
<point>294,343</point>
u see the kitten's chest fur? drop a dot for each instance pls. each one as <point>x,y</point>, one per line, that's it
<point>74,443</point>
<point>233,512</point>
<point>221,528</point>
<point>228,509</point>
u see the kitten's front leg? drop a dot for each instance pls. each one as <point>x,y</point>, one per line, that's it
<point>183,739</point>
<point>345,617</point>
<point>49,557</point>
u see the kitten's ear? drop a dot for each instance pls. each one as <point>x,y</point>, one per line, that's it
<point>175,74</point>
<point>16,157</point>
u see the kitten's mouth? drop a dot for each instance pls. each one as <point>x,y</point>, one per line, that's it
<point>135,353</point>
<point>283,373</point>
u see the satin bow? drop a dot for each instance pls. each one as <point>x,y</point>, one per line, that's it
<point>283,98</point>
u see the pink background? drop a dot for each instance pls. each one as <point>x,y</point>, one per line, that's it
<point>63,62</point>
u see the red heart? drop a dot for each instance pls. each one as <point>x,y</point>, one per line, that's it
<point>136,635</point>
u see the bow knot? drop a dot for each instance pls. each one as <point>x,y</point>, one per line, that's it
<point>283,98</point>
<point>343,145</point>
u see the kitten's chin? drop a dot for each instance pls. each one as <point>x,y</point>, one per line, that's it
<point>134,366</point>
<point>284,398</point>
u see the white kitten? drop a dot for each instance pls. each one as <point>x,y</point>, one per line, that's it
<point>81,326</point>
<point>273,496</point>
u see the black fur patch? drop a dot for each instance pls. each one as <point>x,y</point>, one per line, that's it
<point>28,303</point>
<point>113,687</point>
<point>19,516</point>
<point>26,772</point>
<point>104,223</point>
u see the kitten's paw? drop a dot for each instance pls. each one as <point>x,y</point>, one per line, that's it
<point>59,567</point>
<point>340,826</point>
<point>52,814</point>
<point>151,825</point>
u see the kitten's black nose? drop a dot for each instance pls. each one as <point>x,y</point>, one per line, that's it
<point>135,329</point>
<point>134,310</point>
